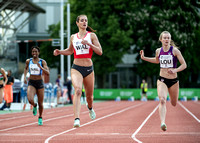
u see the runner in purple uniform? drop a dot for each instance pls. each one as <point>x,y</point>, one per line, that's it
<point>167,56</point>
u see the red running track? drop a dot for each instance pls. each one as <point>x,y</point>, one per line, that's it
<point>116,122</point>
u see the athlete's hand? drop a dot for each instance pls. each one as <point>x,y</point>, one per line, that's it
<point>25,81</point>
<point>171,71</point>
<point>142,54</point>
<point>84,42</point>
<point>56,52</point>
<point>39,65</point>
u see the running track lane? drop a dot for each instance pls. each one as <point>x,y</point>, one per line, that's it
<point>115,123</point>
<point>182,127</point>
<point>31,132</point>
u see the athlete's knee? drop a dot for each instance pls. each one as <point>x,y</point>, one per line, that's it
<point>162,100</point>
<point>31,101</point>
<point>173,103</point>
<point>78,91</point>
<point>89,98</point>
<point>40,104</point>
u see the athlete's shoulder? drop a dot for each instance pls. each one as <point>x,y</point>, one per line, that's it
<point>42,60</point>
<point>28,60</point>
<point>176,51</point>
<point>158,52</point>
<point>158,49</point>
<point>93,35</point>
<point>72,36</point>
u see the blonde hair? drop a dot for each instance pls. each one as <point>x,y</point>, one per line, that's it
<point>172,43</point>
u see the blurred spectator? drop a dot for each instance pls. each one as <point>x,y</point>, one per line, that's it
<point>144,88</point>
<point>58,89</point>
<point>8,91</point>
<point>83,94</point>
<point>23,94</point>
<point>16,90</point>
<point>3,81</point>
<point>68,84</point>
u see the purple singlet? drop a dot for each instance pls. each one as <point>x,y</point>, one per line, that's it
<point>167,59</point>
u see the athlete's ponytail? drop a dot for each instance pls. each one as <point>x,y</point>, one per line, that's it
<point>88,27</point>
<point>172,43</point>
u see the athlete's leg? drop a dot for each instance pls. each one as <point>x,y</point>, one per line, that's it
<point>31,91</point>
<point>162,94</point>
<point>40,95</point>
<point>58,96</point>
<point>1,94</point>
<point>77,81</point>
<point>89,88</point>
<point>173,93</point>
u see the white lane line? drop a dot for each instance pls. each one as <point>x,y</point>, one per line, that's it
<point>134,134</point>
<point>35,123</point>
<point>189,112</point>
<point>108,134</point>
<point>109,115</point>
<point>14,118</point>
<point>167,133</point>
<point>15,127</point>
<point>21,134</point>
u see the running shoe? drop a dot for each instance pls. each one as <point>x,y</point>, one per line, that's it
<point>163,127</point>
<point>92,114</point>
<point>40,123</point>
<point>76,123</point>
<point>35,110</point>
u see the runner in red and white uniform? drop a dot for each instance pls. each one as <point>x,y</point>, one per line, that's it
<point>82,44</point>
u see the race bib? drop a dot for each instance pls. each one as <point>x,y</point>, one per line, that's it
<point>166,61</point>
<point>34,69</point>
<point>82,49</point>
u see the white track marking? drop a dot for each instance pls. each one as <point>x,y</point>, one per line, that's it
<point>167,133</point>
<point>134,134</point>
<point>15,127</point>
<point>14,118</point>
<point>10,118</point>
<point>189,112</point>
<point>21,134</point>
<point>197,102</point>
<point>108,134</point>
<point>109,115</point>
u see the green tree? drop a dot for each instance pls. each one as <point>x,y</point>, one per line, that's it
<point>107,18</point>
<point>180,17</point>
<point>121,23</point>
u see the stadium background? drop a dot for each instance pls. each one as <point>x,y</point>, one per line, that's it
<point>123,27</point>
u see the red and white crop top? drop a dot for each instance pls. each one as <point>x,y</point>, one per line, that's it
<point>80,50</point>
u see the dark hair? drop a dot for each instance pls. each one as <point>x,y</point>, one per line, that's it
<point>38,48</point>
<point>88,27</point>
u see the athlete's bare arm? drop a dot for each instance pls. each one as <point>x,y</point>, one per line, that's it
<point>5,76</point>
<point>148,59</point>
<point>67,51</point>
<point>44,68</point>
<point>183,65</point>
<point>96,46</point>
<point>26,70</point>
